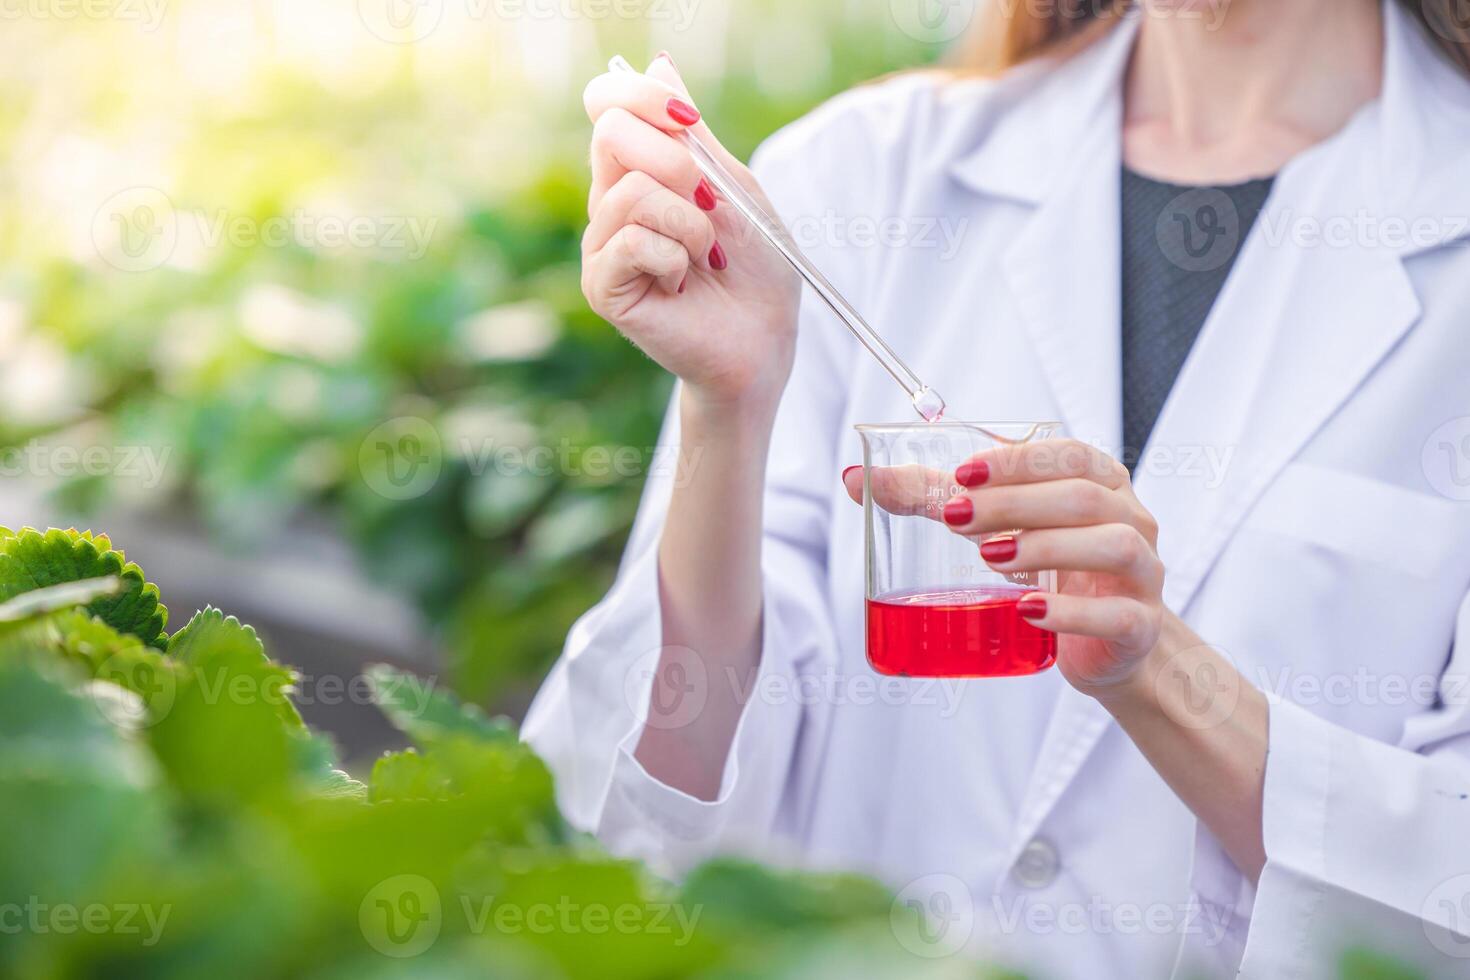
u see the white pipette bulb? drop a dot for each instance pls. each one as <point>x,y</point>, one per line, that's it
<point>926,401</point>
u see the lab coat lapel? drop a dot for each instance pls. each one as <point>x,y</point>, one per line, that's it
<point>1064,272</point>
<point>1302,322</point>
<point>1063,269</point>
<point>1300,325</point>
<point>1294,333</point>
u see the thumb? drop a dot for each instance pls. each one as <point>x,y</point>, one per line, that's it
<point>909,490</point>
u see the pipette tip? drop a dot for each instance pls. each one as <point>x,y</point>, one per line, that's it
<point>929,405</point>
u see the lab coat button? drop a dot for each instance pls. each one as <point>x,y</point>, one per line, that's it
<point>1037,865</point>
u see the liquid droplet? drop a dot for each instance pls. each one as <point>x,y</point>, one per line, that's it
<point>929,405</point>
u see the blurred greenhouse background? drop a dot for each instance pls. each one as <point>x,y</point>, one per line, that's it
<point>289,303</point>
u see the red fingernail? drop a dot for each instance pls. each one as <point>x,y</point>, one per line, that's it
<point>704,195</point>
<point>1032,607</point>
<point>998,549</point>
<point>717,258</point>
<point>958,511</point>
<point>847,471</point>
<point>973,473</point>
<point>682,283</point>
<point>682,112</point>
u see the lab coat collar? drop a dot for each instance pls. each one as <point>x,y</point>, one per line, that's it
<point>1022,130</point>
<point>1062,154</point>
<point>1299,326</point>
<point>1424,142</point>
<point>1015,136</point>
<point>1319,295</point>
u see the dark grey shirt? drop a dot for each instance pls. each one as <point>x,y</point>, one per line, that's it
<point>1179,245</point>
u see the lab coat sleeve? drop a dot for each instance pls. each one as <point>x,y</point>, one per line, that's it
<point>588,717</point>
<point>1367,845</point>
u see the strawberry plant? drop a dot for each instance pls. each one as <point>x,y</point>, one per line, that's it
<point>164,812</point>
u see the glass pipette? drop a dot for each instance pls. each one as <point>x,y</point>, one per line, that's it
<point>926,400</point>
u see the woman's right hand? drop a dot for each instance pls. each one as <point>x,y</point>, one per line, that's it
<point>677,271</point>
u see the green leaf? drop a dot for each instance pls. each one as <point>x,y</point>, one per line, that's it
<point>657,937</point>
<point>30,606</point>
<point>80,798</point>
<point>31,559</point>
<point>339,784</point>
<point>504,783</point>
<point>1365,964</point>
<point>408,776</point>
<point>426,714</point>
<point>213,643</point>
<point>116,658</point>
<point>232,735</point>
<point>753,896</point>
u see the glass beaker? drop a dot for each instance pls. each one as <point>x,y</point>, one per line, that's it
<point>935,608</point>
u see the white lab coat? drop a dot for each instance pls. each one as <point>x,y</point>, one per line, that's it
<point>1310,475</point>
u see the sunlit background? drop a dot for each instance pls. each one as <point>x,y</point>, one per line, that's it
<point>289,303</point>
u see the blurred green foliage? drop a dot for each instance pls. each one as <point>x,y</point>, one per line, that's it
<point>171,283</point>
<point>167,814</point>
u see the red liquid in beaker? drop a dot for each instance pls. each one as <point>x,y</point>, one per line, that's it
<point>956,633</point>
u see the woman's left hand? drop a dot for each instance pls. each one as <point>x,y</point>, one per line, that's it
<point>1076,512</point>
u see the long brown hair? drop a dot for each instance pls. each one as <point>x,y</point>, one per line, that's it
<point>1013,31</point>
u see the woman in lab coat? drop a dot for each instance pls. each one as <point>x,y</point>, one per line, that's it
<point>1256,749</point>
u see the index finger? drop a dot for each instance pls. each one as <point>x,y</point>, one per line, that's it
<point>655,102</point>
<point>1038,462</point>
